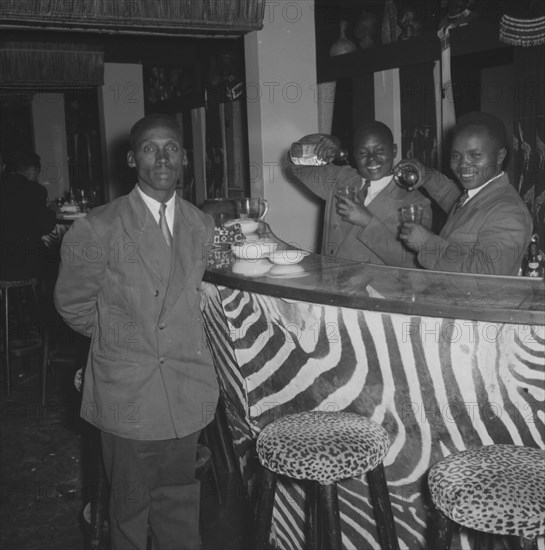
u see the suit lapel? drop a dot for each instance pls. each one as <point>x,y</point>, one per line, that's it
<point>470,209</point>
<point>390,198</point>
<point>188,238</point>
<point>143,230</point>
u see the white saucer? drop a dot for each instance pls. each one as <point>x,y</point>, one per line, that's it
<point>251,268</point>
<point>254,250</point>
<point>287,257</point>
<point>286,271</point>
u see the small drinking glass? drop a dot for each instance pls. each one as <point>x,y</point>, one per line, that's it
<point>412,213</point>
<point>347,191</point>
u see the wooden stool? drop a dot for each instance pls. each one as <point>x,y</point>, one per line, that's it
<point>495,489</point>
<point>325,447</point>
<point>43,344</point>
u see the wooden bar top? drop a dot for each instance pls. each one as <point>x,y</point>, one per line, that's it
<point>325,280</point>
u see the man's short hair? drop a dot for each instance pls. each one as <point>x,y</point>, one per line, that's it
<point>23,161</point>
<point>374,127</point>
<point>152,121</point>
<point>494,126</point>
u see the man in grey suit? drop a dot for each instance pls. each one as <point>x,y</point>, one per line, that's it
<point>130,279</point>
<point>489,226</point>
<point>365,229</point>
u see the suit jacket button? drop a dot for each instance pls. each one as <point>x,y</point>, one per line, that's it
<point>156,293</point>
<point>162,360</point>
<point>162,326</point>
<point>332,251</point>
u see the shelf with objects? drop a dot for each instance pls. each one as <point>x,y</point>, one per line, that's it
<point>385,34</point>
<point>488,57</point>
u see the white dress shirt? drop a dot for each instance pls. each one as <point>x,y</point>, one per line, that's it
<point>375,188</point>
<point>472,192</point>
<point>154,206</point>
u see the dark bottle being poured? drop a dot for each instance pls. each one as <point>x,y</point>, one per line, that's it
<point>303,152</point>
<point>406,176</point>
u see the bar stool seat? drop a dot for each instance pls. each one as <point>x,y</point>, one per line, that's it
<point>495,489</point>
<point>325,447</point>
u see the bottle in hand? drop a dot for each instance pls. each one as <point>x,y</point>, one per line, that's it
<point>533,263</point>
<point>303,152</point>
<point>406,176</point>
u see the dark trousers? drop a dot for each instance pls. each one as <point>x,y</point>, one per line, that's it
<point>152,482</point>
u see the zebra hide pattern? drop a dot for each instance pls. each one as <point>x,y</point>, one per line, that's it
<point>437,385</point>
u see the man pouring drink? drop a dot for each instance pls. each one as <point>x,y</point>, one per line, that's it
<point>488,226</point>
<point>363,204</point>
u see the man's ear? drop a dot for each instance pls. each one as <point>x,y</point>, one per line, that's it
<point>502,153</point>
<point>130,160</point>
<point>394,149</point>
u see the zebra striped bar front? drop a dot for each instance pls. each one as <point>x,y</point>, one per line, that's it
<point>437,384</point>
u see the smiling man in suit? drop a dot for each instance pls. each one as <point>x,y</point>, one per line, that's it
<point>365,229</point>
<point>489,226</point>
<point>130,279</point>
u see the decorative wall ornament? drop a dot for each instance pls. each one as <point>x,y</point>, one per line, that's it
<point>410,25</point>
<point>158,17</point>
<point>31,64</point>
<point>365,30</point>
<point>390,29</point>
<point>522,32</point>
<point>343,44</point>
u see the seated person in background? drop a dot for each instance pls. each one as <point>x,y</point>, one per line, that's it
<point>24,218</point>
<point>366,229</point>
<point>488,227</point>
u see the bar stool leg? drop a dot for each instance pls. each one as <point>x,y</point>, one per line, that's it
<point>315,520</point>
<point>44,335</point>
<point>5,301</point>
<point>441,534</point>
<point>528,544</point>
<point>45,362</point>
<point>98,509</point>
<point>384,518</point>
<point>484,541</point>
<point>329,504</point>
<point>265,509</point>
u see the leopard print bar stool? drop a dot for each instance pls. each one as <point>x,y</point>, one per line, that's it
<point>325,447</point>
<point>495,490</point>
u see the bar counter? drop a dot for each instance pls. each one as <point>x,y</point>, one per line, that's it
<point>443,361</point>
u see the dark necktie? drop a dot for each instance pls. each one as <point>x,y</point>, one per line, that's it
<point>460,202</point>
<point>362,193</point>
<point>163,224</point>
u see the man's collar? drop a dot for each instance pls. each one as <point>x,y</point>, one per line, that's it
<point>473,192</point>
